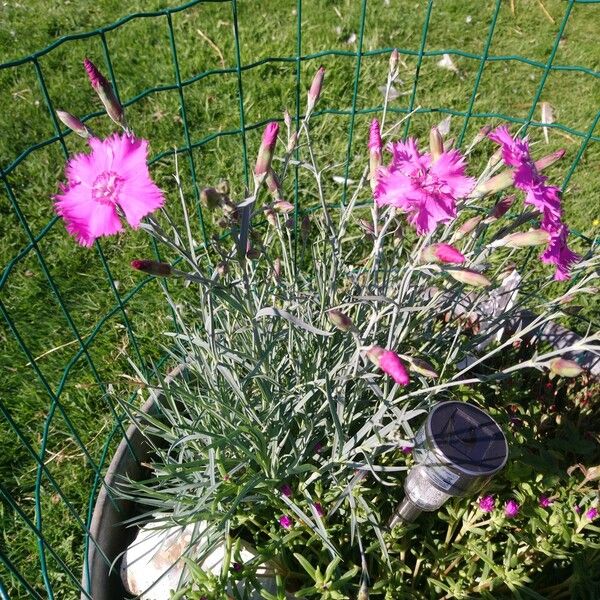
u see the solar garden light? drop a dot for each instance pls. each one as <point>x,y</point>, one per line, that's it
<point>457,451</point>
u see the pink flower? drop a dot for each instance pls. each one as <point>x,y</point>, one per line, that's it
<point>592,513</point>
<point>407,449</point>
<point>286,490</point>
<point>285,522</point>
<point>427,191</point>
<point>112,181</point>
<point>391,363</point>
<point>487,504</point>
<point>559,254</point>
<point>545,198</point>
<point>545,502</point>
<point>319,509</point>
<point>511,508</point>
<point>96,78</point>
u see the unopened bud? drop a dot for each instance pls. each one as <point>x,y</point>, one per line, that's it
<point>374,353</point>
<point>565,368</point>
<point>550,159</point>
<point>394,64</point>
<point>494,184</point>
<point>267,149</point>
<point>152,267</point>
<point>422,367</point>
<point>277,269</point>
<point>270,216</point>
<point>500,209</point>
<point>375,147</point>
<point>74,124</point>
<point>211,198</point>
<point>367,227</point>
<point>305,228</point>
<point>105,92</point>
<point>436,144</point>
<point>469,277</point>
<point>466,228</point>
<point>523,239</point>
<point>287,119</point>
<point>340,320</point>
<point>292,142</point>
<point>449,144</point>
<point>283,206</point>
<point>273,184</point>
<point>222,269</point>
<point>223,187</point>
<point>315,89</point>
<point>481,135</point>
<point>290,223</point>
<point>251,252</point>
<point>442,253</point>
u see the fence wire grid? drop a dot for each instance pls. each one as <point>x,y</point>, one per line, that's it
<point>41,446</point>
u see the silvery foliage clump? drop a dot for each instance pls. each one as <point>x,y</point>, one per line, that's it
<point>273,395</point>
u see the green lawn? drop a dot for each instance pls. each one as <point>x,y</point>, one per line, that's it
<point>93,282</point>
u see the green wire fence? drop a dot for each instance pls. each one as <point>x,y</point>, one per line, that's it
<point>34,564</point>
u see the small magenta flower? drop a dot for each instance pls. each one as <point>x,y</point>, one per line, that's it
<point>237,567</point>
<point>105,92</point>
<point>315,89</point>
<point>577,508</point>
<point>391,363</point>
<point>286,490</point>
<point>592,513</point>
<point>319,509</point>
<point>545,502</point>
<point>285,522</point>
<point>267,149</point>
<point>511,508</point>
<point>487,504</point>
<point>110,182</point>
<point>407,449</point>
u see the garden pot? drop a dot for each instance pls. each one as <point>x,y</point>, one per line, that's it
<point>108,537</point>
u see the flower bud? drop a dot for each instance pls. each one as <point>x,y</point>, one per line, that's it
<point>391,364</point>
<point>152,267</point>
<point>252,253</point>
<point>105,92</point>
<point>422,367</point>
<point>564,367</point>
<point>367,227</point>
<point>273,184</point>
<point>340,320</point>
<point>290,223</point>
<point>375,147</point>
<point>469,277</point>
<point>315,90</point>
<point>74,124</point>
<point>283,207</point>
<point>500,209</point>
<point>287,119</point>
<point>550,159</point>
<point>267,149</point>
<point>211,198</point>
<point>270,216</point>
<point>495,184</point>
<point>481,135</point>
<point>292,142</point>
<point>523,239</point>
<point>374,353</point>
<point>277,269</point>
<point>222,269</point>
<point>466,228</point>
<point>436,144</point>
<point>442,253</point>
<point>305,228</point>
<point>394,64</point>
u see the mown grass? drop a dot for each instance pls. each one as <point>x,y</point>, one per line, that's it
<point>142,58</point>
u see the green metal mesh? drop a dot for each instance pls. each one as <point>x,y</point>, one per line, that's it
<point>35,494</point>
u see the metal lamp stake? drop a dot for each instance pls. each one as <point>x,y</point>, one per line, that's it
<point>457,451</point>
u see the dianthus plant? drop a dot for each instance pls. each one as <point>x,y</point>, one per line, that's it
<point>312,339</point>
